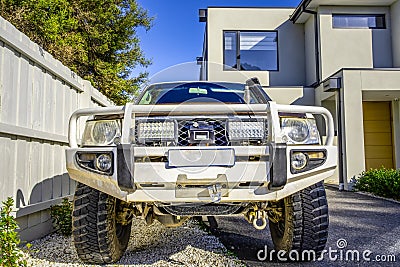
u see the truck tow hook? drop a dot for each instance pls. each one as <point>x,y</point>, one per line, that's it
<point>260,220</point>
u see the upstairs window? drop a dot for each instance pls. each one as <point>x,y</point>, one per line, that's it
<point>357,21</point>
<point>251,50</point>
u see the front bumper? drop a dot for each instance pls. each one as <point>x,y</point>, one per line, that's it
<point>193,174</point>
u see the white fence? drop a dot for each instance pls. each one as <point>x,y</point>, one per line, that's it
<point>38,95</point>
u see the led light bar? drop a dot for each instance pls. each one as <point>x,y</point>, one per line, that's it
<point>246,130</point>
<point>156,130</point>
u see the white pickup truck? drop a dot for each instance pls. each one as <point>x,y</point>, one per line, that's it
<point>200,149</point>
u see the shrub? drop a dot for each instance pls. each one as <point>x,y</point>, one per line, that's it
<point>382,182</point>
<point>10,254</point>
<point>62,217</point>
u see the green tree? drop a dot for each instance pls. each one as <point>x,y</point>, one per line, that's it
<point>97,39</point>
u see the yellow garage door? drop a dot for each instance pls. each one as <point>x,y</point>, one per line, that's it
<point>378,140</point>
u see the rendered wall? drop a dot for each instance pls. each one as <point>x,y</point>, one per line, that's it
<point>395,15</point>
<point>353,48</point>
<point>359,86</point>
<point>290,44</point>
<point>38,95</point>
<point>309,33</point>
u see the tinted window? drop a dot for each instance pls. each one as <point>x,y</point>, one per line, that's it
<point>256,50</point>
<point>359,21</point>
<point>198,92</point>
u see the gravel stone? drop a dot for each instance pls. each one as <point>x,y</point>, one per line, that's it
<point>154,245</point>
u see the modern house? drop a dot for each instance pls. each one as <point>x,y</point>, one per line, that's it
<point>340,54</point>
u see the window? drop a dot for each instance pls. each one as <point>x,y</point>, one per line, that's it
<point>207,92</point>
<point>247,50</point>
<point>359,21</point>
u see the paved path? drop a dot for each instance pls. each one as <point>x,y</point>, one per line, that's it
<point>363,222</point>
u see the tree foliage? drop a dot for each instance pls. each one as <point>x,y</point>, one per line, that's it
<point>95,38</point>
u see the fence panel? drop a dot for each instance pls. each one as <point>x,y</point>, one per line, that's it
<point>37,96</point>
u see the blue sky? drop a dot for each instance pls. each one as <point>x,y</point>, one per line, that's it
<point>177,35</point>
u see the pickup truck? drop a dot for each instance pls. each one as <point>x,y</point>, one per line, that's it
<point>200,148</point>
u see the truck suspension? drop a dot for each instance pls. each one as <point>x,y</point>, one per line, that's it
<point>258,213</point>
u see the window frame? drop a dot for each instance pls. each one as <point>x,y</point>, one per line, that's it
<point>237,32</point>
<point>380,15</point>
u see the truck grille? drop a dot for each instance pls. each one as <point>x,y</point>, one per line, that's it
<point>219,132</point>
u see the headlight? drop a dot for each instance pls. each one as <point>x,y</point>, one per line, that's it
<point>157,130</point>
<point>246,130</point>
<point>300,131</point>
<point>101,132</point>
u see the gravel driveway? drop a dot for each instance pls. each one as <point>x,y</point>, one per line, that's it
<point>153,245</point>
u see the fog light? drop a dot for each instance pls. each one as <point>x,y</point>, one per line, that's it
<point>104,162</point>
<point>299,160</point>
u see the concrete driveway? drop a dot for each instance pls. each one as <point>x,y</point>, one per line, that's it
<point>358,224</point>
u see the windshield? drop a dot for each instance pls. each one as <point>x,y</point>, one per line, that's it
<point>198,92</point>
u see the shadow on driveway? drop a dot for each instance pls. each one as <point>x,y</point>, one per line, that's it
<point>357,222</point>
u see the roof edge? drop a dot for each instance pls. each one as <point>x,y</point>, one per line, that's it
<point>252,7</point>
<point>299,10</point>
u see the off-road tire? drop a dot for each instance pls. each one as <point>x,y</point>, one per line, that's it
<point>97,237</point>
<point>304,224</point>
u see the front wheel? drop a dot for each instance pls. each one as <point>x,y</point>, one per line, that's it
<point>97,236</point>
<point>303,222</point>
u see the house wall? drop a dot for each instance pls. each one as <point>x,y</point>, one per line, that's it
<point>340,49</point>
<point>297,95</point>
<point>353,48</point>
<point>37,96</point>
<point>352,124</point>
<point>395,16</point>
<point>309,33</point>
<point>359,86</point>
<point>290,44</point>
